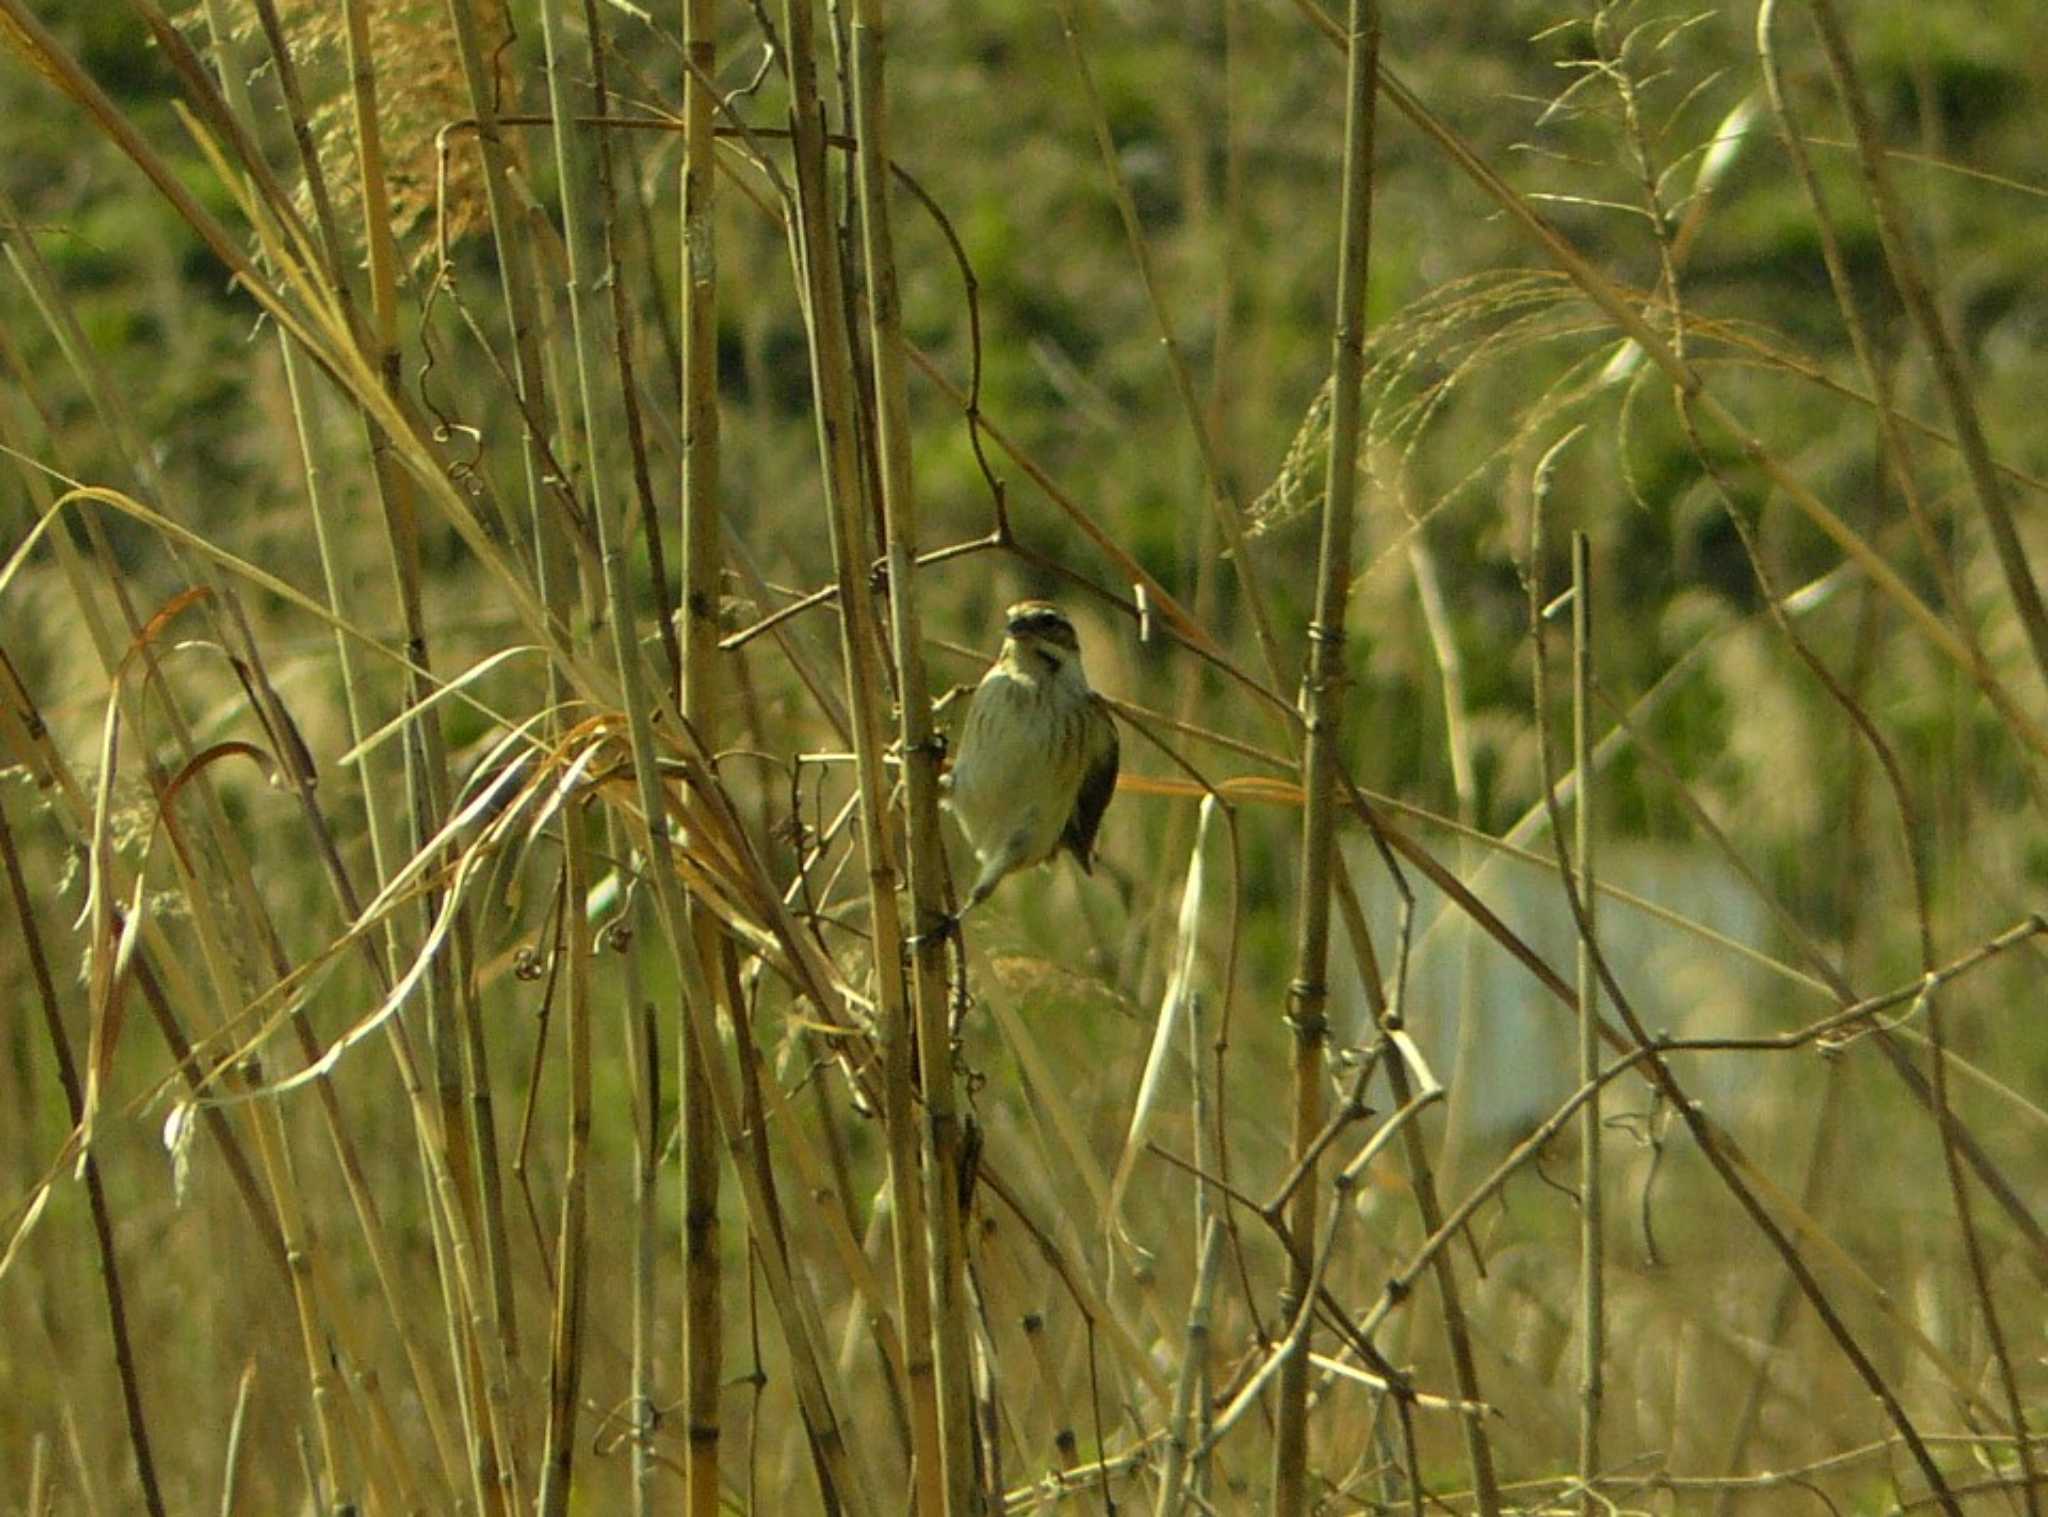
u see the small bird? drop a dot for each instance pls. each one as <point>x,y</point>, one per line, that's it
<point>1037,758</point>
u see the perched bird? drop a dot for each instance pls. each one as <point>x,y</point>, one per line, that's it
<point>1037,758</point>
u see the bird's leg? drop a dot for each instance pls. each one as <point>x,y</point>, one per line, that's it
<point>993,872</point>
<point>947,926</point>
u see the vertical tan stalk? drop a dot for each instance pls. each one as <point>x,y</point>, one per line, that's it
<point>441,1127</point>
<point>472,1142</point>
<point>795,1309</point>
<point>395,493</point>
<point>1592,1262</point>
<point>1183,1427</point>
<point>924,847</point>
<point>642,1039</point>
<point>840,1472</point>
<point>833,379</point>
<point>1322,707</point>
<point>565,1358</point>
<point>703,1289</point>
<point>1203,1104</point>
<point>233,75</point>
<point>329,1391</point>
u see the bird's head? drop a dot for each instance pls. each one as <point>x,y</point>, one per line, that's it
<point>1037,636</point>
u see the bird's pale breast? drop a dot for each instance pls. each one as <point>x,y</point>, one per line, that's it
<point>1019,763</point>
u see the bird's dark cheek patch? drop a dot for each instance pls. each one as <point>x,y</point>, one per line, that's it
<point>1050,659</point>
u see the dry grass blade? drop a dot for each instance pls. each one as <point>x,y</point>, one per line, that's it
<point>1174,1002</point>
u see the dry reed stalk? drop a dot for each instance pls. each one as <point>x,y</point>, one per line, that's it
<point>1592,1211</point>
<point>1913,291</point>
<point>834,389</point>
<point>26,738</point>
<point>575,939</point>
<point>839,1468</point>
<point>727,885</point>
<point>379,341</point>
<point>1203,1108</point>
<point>641,1038</point>
<point>332,245</point>
<point>1750,1184</point>
<point>1322,711</point>
<point>455,1032</point>
<point>1186,1425</point>
<point>1911,284</point>
<point>1691,387</point>
<point>572,1271</point>
<point>870,1298</point>
<point>1010,1298</point>
<point>700,694</point>
<point>1951,1133</point>
<point>844,1482</point>
<point>140,151</point>
<point>213,859</point>
<point>362,1196</point>
<point>332,1407</point>
<point>1826,977</point>
<point>944,1248</point>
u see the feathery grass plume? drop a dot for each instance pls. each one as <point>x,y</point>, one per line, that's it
<point>421,99</point>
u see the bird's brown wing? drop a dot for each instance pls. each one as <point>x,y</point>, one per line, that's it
<point>1098,784</point>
